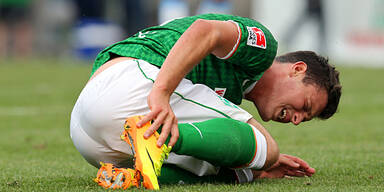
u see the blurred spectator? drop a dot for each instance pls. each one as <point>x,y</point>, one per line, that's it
<point>136,17</point>
<point>93,32</point>
<point>101,23</point>
<point>15,29</point>
<point>313,11</point>
<point>53,22</point>
<point>90,9</point>
<point>171,9</point>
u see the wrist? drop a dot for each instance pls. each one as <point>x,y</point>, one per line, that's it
<point>256,174</point>
<point>162,89</point>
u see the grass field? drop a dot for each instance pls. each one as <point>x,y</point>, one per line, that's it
<point>36,152</point>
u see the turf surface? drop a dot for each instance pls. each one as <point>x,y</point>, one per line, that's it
<point>36,152</point>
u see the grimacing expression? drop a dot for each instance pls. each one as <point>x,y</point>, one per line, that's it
<point>300,106</point>
<point>287,99</point>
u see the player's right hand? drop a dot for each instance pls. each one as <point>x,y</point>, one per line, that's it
<point>161,114</point>
<point>287,165</point>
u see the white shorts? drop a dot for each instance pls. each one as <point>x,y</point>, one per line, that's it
<point>121,91</point>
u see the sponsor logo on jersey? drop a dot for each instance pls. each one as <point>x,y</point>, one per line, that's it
<point>220,91</point>
<point>256,38</point>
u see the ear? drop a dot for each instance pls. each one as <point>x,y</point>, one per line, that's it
<point>299,68</point>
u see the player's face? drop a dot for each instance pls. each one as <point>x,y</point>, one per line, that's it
<point>297,103</point>
<point>288,99</point>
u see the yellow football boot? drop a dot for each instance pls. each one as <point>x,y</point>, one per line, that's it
<point>148,157</point>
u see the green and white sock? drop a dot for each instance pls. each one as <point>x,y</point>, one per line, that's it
<point>220,141</point>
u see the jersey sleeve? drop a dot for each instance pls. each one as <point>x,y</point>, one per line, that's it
<point>254,50</point>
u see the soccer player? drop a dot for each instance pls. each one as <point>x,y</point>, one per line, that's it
<point>188,76</point>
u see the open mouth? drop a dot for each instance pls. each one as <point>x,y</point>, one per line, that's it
<point>282,114</point>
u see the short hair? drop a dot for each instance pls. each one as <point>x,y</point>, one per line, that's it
<point>320,73</point>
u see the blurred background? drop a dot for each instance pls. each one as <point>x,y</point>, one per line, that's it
<point>47,48</point>
<point>348,31</point>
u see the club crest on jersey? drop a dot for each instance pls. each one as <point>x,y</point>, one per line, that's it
<point>220,91</point>
<point>256,38</point>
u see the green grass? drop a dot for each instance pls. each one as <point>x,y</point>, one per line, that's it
<point>36,153</point>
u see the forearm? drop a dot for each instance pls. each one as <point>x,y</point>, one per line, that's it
<point>195,44</point>
<point>202,38</point>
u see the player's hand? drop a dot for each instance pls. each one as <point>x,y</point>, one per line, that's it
<point>296,165</point>
<point>162,114</point>
<point>288,165</point>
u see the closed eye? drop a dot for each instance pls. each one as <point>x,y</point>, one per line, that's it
<point>308,109</point>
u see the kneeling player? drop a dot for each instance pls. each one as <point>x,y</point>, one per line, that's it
<point>169,74</point>
<point>216,143</point>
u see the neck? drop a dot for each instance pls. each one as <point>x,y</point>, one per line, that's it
<point>266,83</point>
<point>257,91</point>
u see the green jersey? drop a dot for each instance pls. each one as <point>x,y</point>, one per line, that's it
<point>230,76</point>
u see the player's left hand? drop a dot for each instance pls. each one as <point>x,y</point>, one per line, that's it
<point>288,165</point>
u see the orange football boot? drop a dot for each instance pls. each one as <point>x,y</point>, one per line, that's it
<point>111,177</point>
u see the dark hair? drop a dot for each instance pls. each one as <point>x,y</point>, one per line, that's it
<point>320,73</point>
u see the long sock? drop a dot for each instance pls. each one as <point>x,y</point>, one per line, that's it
<point>220,141</point>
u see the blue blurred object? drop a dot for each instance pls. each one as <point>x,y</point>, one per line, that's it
<point>93,35</point>
<point>215,6</point>
<point>172,9</point>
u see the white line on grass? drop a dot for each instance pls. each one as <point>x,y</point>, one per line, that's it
<point>31,110</point>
